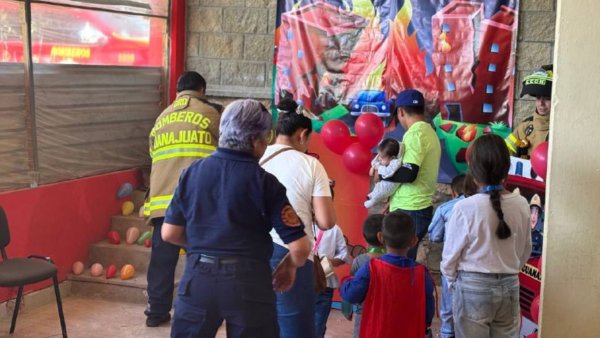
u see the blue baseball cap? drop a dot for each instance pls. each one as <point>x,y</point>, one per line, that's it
<point>410,98</point>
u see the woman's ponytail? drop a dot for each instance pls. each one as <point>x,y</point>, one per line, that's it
<point>503,231</point>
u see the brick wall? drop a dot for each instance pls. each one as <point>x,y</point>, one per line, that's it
<point>230,42</point>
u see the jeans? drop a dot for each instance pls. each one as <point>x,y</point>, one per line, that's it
<point>422,219</point>
<point>296,307</point>
<point>239,293</point>
<point>486,305</point>
<point>322,309</point>
<point>357,317</point>
<point>161,273</point>
<point>447,328</point>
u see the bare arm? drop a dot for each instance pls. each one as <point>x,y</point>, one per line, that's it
<point>299,250</point>
<point>324,212</point>
<point>174,234</point>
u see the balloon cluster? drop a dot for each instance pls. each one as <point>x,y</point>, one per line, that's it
<point>355,151</point>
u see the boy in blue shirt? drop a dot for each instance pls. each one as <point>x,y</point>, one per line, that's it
<point>400,300</point>
<point>437,230</point>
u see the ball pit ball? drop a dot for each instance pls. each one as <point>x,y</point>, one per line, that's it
<point>127,208</point>
<point>78,268</point>
<point>96,270</point>
<point>127,272</point>
<point>132,234</point>
<point>111,271</point>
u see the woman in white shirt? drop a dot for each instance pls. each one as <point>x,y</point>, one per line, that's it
<point>488,240</point>
<point>307,189</point>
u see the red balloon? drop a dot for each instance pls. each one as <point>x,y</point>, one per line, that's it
<point>336,136</point>
<point>357,159</point>
<point>535,309</point>
<point>369,129</point>
<point>539,159</point>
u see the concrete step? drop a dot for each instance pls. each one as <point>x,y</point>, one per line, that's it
<point>121,254</point>
<point>114,289</point>
<point>122,223</point>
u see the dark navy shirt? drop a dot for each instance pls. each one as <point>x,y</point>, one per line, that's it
<point>228,204</point>
<point>355,289</point>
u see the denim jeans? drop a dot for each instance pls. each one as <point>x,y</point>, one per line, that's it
<point>161,273</point>
<point>322,309</point>
<point>239,293</point>
<point>486,305</point>
<point>357,317</point>
<point>296,307</point>
<point>422,219</point>
<point>447,329</point>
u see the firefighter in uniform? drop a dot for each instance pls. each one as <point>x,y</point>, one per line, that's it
<point>186,131</point>
<point>534,129</point>
<point>222,211</point>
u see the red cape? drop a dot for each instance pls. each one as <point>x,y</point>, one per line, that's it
<point>395,303</point>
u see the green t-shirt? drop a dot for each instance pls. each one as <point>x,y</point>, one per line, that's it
<point>421,147</point>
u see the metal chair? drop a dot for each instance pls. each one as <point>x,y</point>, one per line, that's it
<point>18,272</point>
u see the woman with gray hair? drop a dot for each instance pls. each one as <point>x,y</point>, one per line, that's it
<point>222,212</point>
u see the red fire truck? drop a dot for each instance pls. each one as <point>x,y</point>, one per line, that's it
<point>81,36</point>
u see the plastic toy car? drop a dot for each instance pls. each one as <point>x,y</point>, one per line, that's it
<point>371,101</point>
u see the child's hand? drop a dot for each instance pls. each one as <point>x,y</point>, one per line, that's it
<point>376,176</point>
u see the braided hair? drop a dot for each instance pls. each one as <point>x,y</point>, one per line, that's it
<point>489,162</point>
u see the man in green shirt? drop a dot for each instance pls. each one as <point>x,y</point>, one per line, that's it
<point>421,162</point>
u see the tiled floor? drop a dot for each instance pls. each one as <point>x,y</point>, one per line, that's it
<point>90,318</point>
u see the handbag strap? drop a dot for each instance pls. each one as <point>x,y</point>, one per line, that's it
<point>270,157</point>
<point>318,241</point>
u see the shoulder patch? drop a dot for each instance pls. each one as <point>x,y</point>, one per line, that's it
<point>181,103</point>
<point>529,130</point>
<point>289,217</point>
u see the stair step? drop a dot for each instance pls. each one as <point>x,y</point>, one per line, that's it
<point>121,254</point>
<point>121,223</point>
<point>114,289</point>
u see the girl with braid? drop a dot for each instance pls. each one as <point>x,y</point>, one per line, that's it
<point>488,241</point>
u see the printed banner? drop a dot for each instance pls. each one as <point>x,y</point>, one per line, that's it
<point>344,58</point>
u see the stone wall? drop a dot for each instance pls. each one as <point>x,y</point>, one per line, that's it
<point>535,47</point>
<point>230,42</point>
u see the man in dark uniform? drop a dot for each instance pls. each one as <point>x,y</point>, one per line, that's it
<point>534,129</point>
<point>222,212</point>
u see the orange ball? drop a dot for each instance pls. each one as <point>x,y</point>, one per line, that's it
<point>127,272</point>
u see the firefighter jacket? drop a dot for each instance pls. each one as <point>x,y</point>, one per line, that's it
<point>185,131</point>
<point>528,134</point>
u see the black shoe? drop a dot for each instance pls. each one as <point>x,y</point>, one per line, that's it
<point>156,321</point>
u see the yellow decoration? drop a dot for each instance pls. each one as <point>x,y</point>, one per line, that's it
<point>127,272</point>
<point>127,208</point>
<point>374,80</point>
<point>182,252</point>
<point>363,8</point>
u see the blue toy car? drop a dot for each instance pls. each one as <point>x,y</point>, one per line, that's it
<point>371,101</point>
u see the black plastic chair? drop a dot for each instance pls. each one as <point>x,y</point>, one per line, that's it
<point>18,272</point>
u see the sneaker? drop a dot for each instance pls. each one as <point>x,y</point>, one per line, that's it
<point>157,321</point>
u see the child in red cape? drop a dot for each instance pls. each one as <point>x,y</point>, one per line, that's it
<point>397,291</point>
